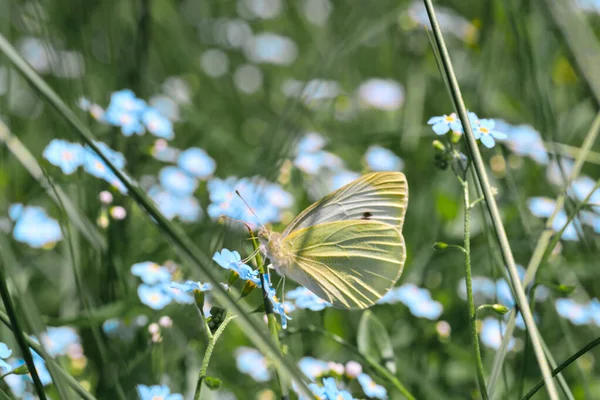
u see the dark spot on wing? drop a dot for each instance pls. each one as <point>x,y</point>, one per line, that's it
<point>366,215</point>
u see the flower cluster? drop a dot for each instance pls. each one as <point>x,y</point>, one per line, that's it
<point>133,115</point>
<point>483,129</point>
<point>319,369</point>
<point>70,156</point>
<point>329,391</point>
<point>579,313</point>
<point>418,300</point>
<point>33,226</point>
<point>157,392</point>
<point>173,194</point>
<point>156,291</point>
<point>268,200</point>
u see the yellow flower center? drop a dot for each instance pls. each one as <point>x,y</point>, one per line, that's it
<point>154,298</point>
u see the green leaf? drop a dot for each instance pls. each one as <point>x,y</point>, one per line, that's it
<point>374,342</point>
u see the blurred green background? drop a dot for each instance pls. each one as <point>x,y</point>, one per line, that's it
<point>246,98</point>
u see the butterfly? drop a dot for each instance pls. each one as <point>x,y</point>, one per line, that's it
<point>347,248</point>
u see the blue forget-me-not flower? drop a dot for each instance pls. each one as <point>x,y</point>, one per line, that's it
<point>162,294</point>
<point>491,333</point>
<point>160,392</point>
<point>232,260</point>
<point>151,272</point>
<point>33,226</point>
<point>371,388</point>
<point>418,301</point>
<point>485,131</point>
<point>176,181</point>
<point>192,286</point>
<point>251,362</point>
<point>196,162</point>
<point>268,200</point>
<point>125,111</point>
<point>381,159</point>
<point>157,124</point>
<point>5,352</point>
<point>65,155</point>
<point>305,299</point>
<point>56,340</point>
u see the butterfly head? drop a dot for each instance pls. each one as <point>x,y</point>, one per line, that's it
<point>271,245</point>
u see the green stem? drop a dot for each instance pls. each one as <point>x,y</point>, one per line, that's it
<point>208,354</point>
<point>471,302</point>
<point>6,374</point>
<point>490,202</point>
<point>19,335</point>
<point>562,366</point>
<point>383,372</point>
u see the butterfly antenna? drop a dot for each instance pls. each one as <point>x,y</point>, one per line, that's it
<point>251,210</point>
<point>251,256</point>
<point>247,224</point>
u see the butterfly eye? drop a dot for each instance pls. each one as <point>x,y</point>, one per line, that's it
<point>366,215</point>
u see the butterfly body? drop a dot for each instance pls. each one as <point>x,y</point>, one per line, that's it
<point>348,247</point>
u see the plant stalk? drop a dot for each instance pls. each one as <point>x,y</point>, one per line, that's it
<point>491,204</point>
<point>469,284</point>
<point>19,335</point>
<point>207,355</point>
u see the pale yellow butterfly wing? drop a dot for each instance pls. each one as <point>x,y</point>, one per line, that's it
<point>379,196</point>
<point>350,264</point>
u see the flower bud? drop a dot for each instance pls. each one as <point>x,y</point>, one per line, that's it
<point>500,309</point>
<point>440,246</point>
<point>212,383</point>
<point>233,276</point>
<point>21,370</point>
<point>439,146</point>
<point>565,290</point>
<point>249,286</point>
<point>455,136</point>
<point>199,300</point>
